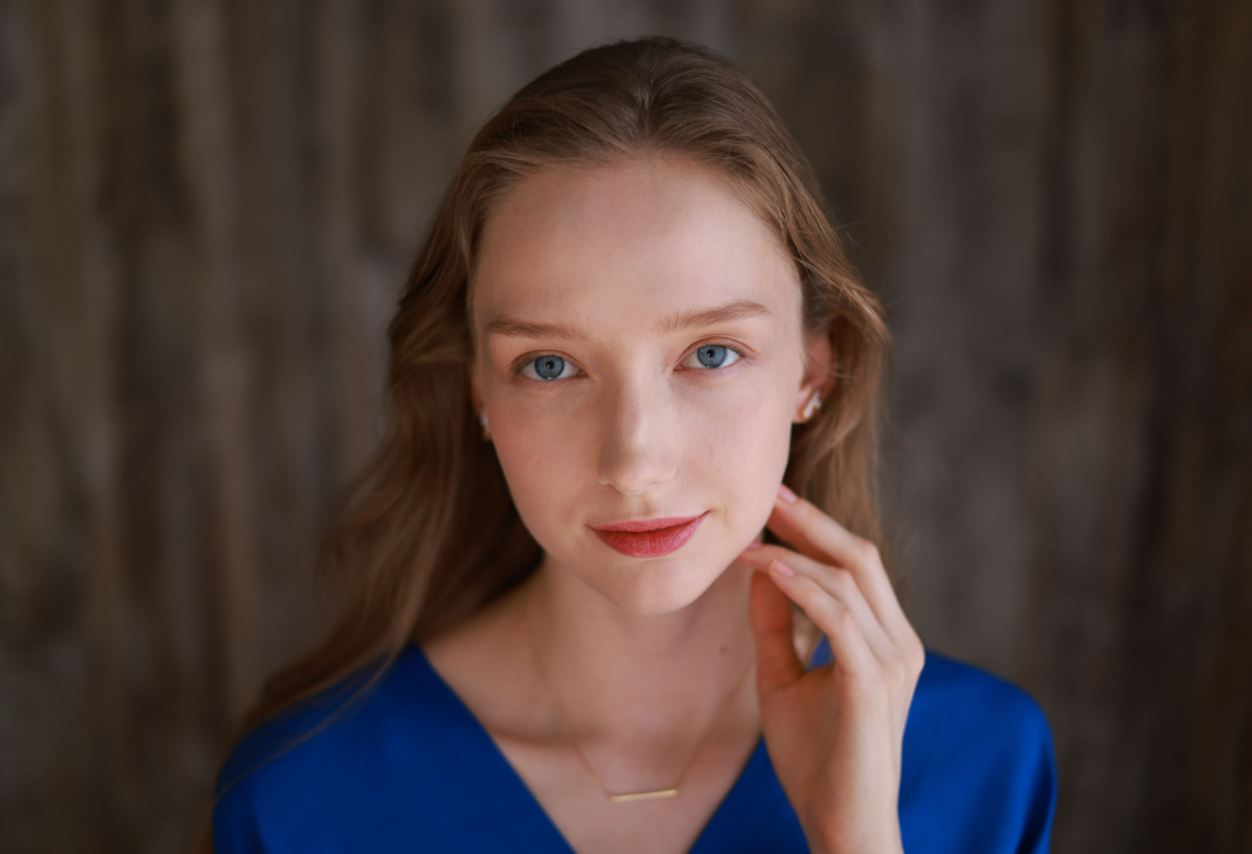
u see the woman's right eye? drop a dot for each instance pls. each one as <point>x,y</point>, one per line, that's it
<point>548,367</point>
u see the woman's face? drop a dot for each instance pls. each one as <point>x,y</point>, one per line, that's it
<point>620,411</point>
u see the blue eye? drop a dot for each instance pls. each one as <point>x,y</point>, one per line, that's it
<point>716,354</point>
<point>548,367</point>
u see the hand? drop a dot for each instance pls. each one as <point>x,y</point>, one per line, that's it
<point>835,734</point>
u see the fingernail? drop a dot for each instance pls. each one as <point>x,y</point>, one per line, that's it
<point>782,569</point>
<point>785,493</point>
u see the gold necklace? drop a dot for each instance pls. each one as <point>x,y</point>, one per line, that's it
<point>619,797</point>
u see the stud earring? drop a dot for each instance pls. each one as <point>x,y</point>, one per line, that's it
<point>815,403</point>
<point>482,419</point>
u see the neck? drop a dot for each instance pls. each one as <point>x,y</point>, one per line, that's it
<point>626,677</point>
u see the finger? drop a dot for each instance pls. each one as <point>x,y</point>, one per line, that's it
<point>851,651</point>
<point>841,584</point>
<point>776,662</point>
<point>810,529</point>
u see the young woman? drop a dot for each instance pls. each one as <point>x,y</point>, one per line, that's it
<point>580,608</point>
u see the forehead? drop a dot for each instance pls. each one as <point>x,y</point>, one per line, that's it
<point>628,241</point>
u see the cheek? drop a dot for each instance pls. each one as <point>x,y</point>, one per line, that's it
<point>747,422</point>
<point>746,453</point>
<point>543,469</point>
<point>535,453</point>
<point>736,431</point>
<point>745,450</point>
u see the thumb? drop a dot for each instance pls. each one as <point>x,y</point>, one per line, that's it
<point>776,662</point>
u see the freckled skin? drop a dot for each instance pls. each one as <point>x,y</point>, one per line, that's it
<point>636,426</point>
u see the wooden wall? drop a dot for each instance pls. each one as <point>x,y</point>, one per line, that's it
<point>208,209</point>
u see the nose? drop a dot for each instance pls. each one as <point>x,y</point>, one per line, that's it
<point>639,451</point>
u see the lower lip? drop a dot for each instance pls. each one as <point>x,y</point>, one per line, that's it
<point>652,543</point>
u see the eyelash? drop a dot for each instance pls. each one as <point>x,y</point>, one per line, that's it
<point>521,363</point>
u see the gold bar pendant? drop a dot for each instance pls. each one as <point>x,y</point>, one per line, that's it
<point>644,796</point>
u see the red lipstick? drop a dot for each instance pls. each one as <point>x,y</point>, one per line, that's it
<point>649,537</point>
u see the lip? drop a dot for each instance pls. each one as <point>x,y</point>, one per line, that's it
<point>643,538</point>
<point>635,526</point>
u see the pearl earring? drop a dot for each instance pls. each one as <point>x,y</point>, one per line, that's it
<point>815,403</point>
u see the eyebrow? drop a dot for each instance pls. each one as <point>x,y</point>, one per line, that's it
<point>735,310</point>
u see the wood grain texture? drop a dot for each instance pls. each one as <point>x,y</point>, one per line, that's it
<point>209,209</point>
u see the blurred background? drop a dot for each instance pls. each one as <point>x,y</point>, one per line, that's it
<point>208,210</point>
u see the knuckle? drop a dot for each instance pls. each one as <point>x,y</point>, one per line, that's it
<point>843,582</point>
<point>917,656</point>
<point>807,591</point>
<point>908,669</point>
<point>867,550</point>
<point>843,618</point>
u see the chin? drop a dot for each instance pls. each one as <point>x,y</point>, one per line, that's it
<point>656,587</point>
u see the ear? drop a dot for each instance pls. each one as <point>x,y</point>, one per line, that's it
<point>819,373</point>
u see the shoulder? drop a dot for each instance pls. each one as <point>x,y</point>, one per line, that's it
<point>974,739</point>
<point>300,778</point>
<point>956,697</point>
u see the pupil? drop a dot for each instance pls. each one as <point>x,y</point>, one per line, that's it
<point>546,363</point>
<point>712,349</point>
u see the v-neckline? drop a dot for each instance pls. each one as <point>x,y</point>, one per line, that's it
<point>751,770</point>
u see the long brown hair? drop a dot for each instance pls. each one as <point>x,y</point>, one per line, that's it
<point>402,556</point>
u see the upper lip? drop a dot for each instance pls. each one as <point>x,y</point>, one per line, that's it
<point>635,525</point>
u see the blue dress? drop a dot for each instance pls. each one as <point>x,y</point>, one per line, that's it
<point>410,768</point>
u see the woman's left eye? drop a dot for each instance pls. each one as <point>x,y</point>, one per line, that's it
<point>715,355</point>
